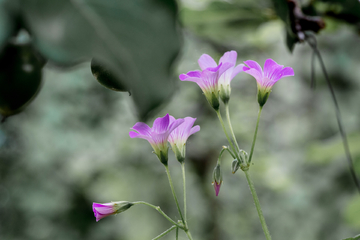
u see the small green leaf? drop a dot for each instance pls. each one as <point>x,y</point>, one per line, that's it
<point>20,77</point>
<point>137,40</point>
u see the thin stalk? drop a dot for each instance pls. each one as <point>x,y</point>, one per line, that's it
<point>255,134</point>
<point>311,40</point>
<point>226,134</point>
<point>165,232</point>
<point>184,187</point>
<point>188,234</point>
<point>257,205</point>
<point>157,208</point>
<point>230,126</point>
<point>177,234</point>
<point>174,194</point>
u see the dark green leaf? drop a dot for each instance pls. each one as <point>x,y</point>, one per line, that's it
<point>291,40</point>
<point>136,39</point>
<point>20,77</point>
<point>6,25</point>
<point>106,78</point>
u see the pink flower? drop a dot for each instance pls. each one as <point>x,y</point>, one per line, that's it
<point>107,209</point>
<point>228,75</point>
<point>179,136</point>
<point>208,78</point>
<point>267,78</point>
<point>157,135</point>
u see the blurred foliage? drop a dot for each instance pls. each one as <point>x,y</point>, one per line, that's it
<point>123,36</point>
<point>71,147</point>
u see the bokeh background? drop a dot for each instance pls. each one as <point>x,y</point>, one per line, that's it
<point>71,146</point>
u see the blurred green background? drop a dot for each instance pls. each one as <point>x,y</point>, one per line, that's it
<point>71,147</point>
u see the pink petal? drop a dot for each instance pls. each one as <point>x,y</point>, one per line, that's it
<point>142,128</point>
<point>194,130</point>
<point>161,124</point>
<point>217,188</point>
<point>236,70</point>
<point>269,67</point>
<point>205,61</point>
<point>224,66</point>
<point>175,124</point>
<point>230,57</point>
<point>253,72</point>
<point>255,65</point>
<point>196,73</point>
<point>210,79</point>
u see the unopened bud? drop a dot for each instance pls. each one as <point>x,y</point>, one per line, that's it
<point>217,179</point>
<point>102,210</point>
<point>235,165</point>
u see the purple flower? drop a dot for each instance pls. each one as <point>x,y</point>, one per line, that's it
<point>228,75</point>
<point>208,78</point>
<point>102,210</point>
<point>179,136</point>
<point>267,78</point>
<point>157,135</point>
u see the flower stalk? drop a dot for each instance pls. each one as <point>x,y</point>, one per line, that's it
<point>255,134</point>
<point>257,205</point>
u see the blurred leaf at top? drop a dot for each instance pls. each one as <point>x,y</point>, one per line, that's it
<point>226,23</point>
<point>137,40</point>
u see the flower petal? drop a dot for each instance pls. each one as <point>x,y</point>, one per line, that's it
<point>205,61</point>
<point>142,128</point>
<point>236,70</point>
<point>270,66</point>
<point>229,57</point>
<point>195,129</point>
<point>224,66</point>
<point>161,124</point>
<point>195,73</point>
<point>253,72</point>
<point>255,65</point>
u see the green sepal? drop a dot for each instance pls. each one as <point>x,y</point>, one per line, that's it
<point>235,165</point>
<point>179,156</point>
<point>217,177</point>
<point>213,100</point>
<point>263,95</point>
<point>163,157</point>
<point>122,206</point>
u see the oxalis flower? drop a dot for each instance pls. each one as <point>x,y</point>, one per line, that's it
<point>102,210</point>
<point>228,75</point>
<point>179,136</point>
<point>157,135</point>
<point>208,78</point>
<point>267,78</point>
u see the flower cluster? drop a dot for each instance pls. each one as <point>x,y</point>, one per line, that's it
<point>214,80</point>
<point>164,130</point>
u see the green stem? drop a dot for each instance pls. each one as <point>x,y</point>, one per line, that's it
<point>177,234</point>
<point>157,208</point>
<point>189,235</point>
<point>257,205</point>
<point>226,134</point>
<point>254,139</point>
<point>174,194</point>
<point>184,187</point>
<point>165,232</point>
<point>230,126</point>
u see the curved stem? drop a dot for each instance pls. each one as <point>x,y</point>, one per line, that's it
<point>257,205</point>
<point>226,134</point>
<point>165,232</point>
<point>174,194</point>
<point>255,134</point>
<point>184,187</point>
<point>230,126</point>
<point>311,40</point>
<point>157,208</point>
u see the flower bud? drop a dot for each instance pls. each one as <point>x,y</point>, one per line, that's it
<point>217,179</point>
<point>102,210</point>
<point>235,165</point>
<point>225,91</point>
